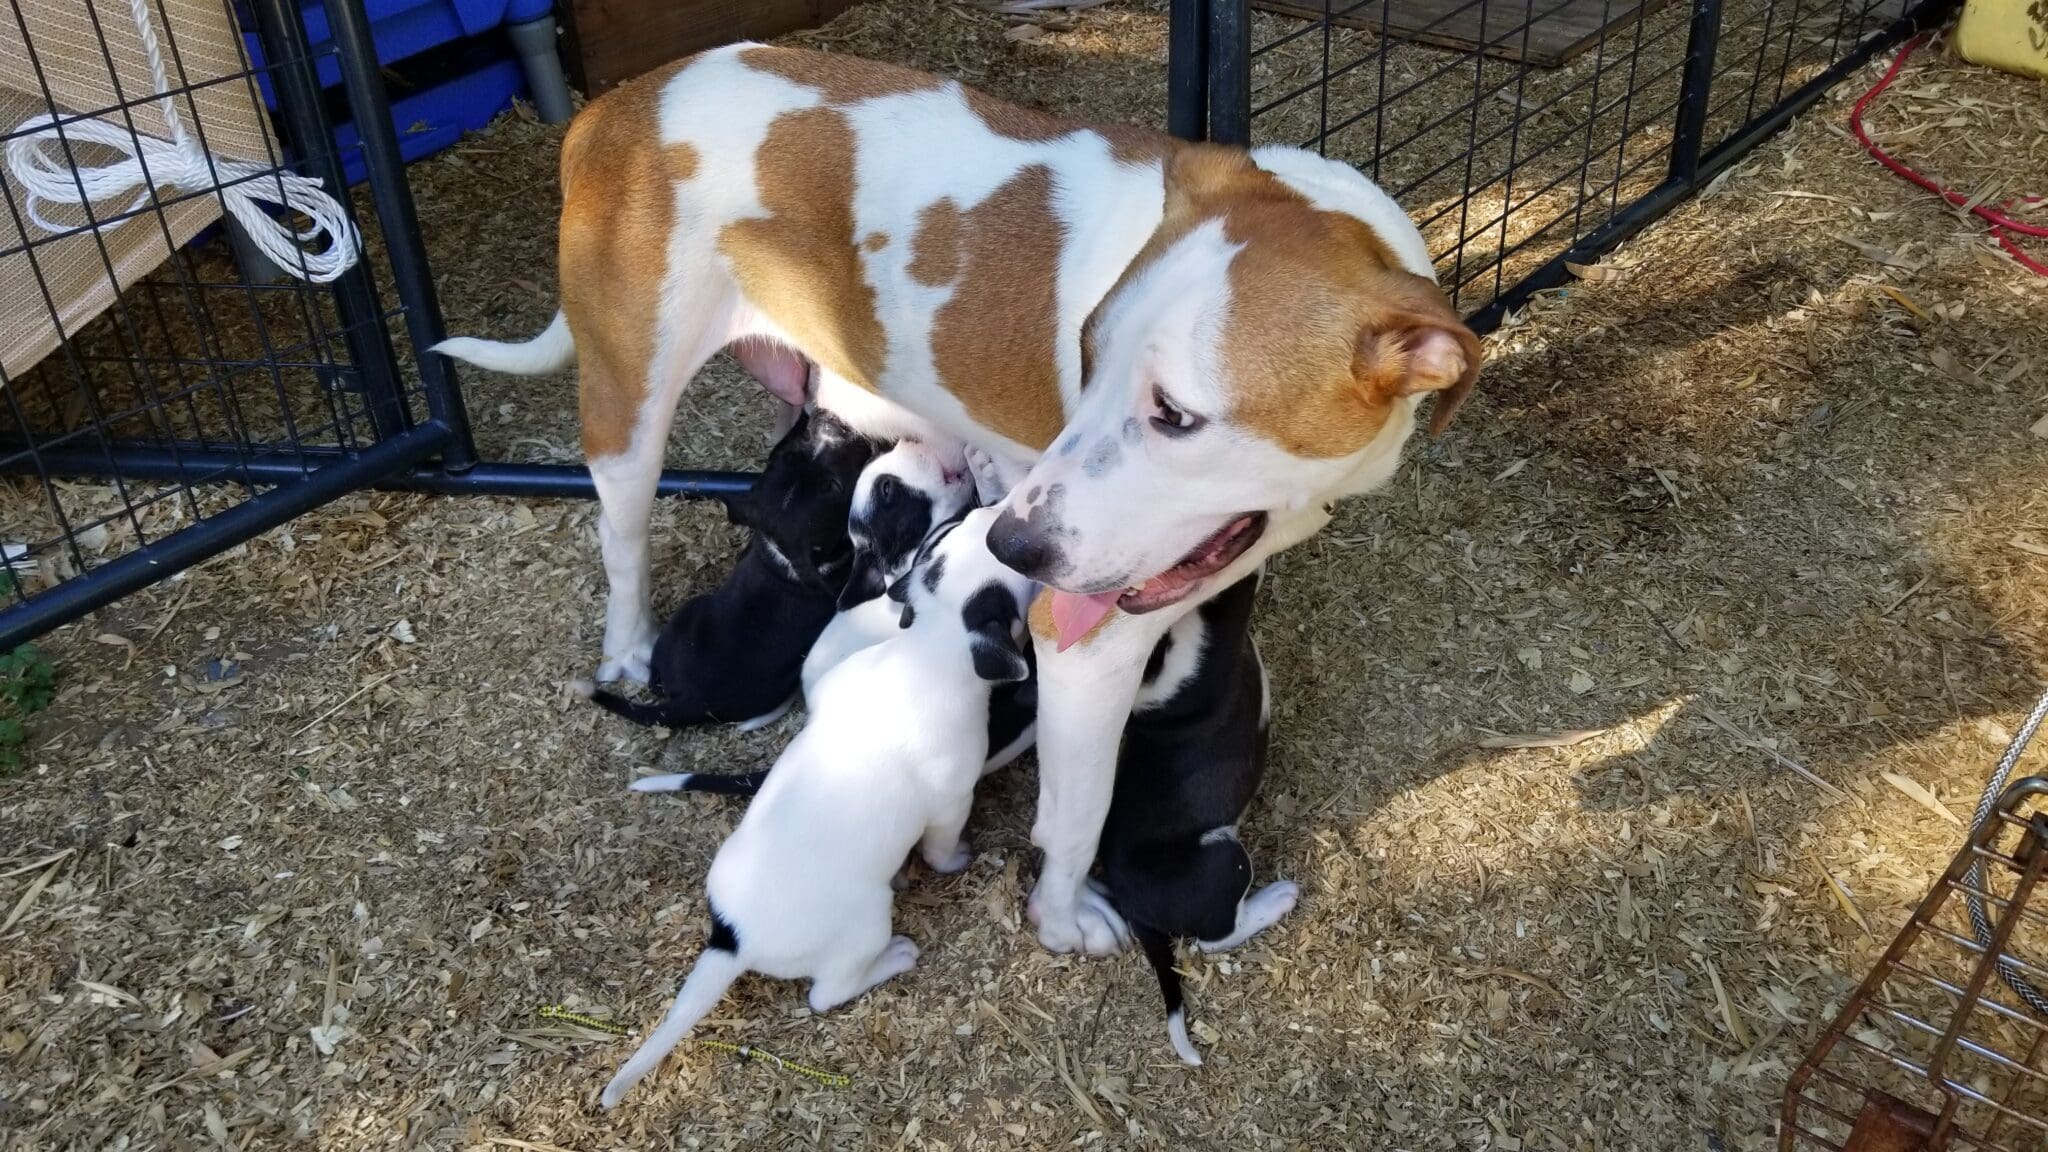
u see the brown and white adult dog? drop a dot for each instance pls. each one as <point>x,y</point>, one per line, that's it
<point>1214,344</point>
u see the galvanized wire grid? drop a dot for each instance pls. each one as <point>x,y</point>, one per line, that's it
<point>201,372</point>
<point>1505,165</point>
<point>1933,1052</point>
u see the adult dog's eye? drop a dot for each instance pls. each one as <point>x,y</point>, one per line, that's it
<point>1171,419</point>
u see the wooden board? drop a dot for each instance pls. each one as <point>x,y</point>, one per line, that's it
<point>611,41</point>
<point>1558,30</point>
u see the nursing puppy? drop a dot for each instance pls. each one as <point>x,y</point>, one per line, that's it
<point>901,496</point>
<point>736,654</point>
<point>1012,707</point>
<point>1192,758</point>
<point>887,764</point>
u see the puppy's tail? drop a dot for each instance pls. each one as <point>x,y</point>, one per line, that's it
<point>1159,950</point>
<point>717,783</point>
<point>650,715</point>
<point>716,969</point>
<point>551,351</point>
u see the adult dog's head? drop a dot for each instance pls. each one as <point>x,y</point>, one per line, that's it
<point>1263,353</point>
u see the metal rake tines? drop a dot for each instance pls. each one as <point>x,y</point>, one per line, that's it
<point>1931,1053</point>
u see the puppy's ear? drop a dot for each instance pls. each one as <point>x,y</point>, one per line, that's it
<point>991,618</point>
<point>864,582</point>
<point>1418,345</point>
<point>997,657</point>
<point>742,509</point>
<point>900,592</point>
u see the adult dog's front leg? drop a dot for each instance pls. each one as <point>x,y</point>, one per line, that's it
<point>1084,699</point>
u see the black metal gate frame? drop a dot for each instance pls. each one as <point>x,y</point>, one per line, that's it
<point>434,455</point>
<point>1208,98</point>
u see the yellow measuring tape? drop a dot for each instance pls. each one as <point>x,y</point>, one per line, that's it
<point>743,1051</point>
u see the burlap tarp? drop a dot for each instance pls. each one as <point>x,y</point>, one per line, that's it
<point>199,43</point>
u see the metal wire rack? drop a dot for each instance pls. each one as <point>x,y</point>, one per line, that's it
<point>1942,1046</point>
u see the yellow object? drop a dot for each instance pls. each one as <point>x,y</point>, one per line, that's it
<point>749,1052</point>
<point>2008,34</point>
<point>557,1012</point>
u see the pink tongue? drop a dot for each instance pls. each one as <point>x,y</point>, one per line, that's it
<point>1075,616</point>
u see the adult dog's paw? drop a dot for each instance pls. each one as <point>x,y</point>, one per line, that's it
<point>1084,922</point>
<point>631,667</point>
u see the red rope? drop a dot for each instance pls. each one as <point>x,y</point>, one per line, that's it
<point>2002,226</point>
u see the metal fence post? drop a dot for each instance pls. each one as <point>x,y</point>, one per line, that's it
<point>1230,72</point>
<point>299,105</point>
<point>1695,92</point>
<point>400,223</point>
<point>1187,70</point>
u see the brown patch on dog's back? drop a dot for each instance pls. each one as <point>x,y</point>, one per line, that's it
<point>837,79</point>
<point>618,212</point>
<point>935,250</point>
<point>800,264</point>
<point>1128,144</point>
<point>874,242</point>
<point>994,342</point>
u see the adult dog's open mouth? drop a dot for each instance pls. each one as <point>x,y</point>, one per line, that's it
<point>1074,615</point>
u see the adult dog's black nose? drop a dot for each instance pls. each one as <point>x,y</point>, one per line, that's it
<point>1024,547</point>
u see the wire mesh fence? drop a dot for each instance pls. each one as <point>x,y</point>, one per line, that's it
<point>1519,133</point>
<point>196,316</point>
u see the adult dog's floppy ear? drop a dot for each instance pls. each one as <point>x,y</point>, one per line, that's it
<point>864,581</point>
<point>1418,345</point>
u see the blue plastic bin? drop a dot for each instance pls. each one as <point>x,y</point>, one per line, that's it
<point>429,120</point>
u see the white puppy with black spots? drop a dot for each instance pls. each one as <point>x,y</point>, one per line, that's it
<point>887,764</point>
<point>900,497</point>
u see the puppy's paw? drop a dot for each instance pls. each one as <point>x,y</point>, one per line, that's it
<point>990,485</point>
<point>901,950</point>
<point>898,957</point>
<point>955,861</point>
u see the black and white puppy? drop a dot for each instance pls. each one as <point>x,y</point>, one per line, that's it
<point>902,497</point>
<point>887,763</point>
<point>735,655</point>
<point>1193,753</point>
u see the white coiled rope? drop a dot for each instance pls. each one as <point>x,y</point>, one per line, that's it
<point>48,180</point>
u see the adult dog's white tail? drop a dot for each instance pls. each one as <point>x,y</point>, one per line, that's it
<point>551,351</point>
<point>715,971</point>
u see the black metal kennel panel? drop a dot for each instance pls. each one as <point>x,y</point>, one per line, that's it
<point>170,383</point>
<point>1521,135</point>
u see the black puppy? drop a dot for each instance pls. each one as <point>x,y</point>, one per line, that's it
<point>1012,706</point>
<point>735,655</point>
<point>1193,752</point>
